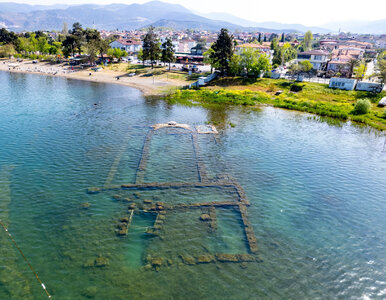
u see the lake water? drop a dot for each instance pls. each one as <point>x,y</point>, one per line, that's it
<point>316,188</point>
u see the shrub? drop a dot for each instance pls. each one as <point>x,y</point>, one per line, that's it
<point>296,87</point>
<point>384,114</point>
<point>271,87</point>
<point>362,107</point>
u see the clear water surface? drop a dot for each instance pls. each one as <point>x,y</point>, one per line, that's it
<point>317,193</point>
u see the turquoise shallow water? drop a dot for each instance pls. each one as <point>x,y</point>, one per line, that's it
<point>317,193</point>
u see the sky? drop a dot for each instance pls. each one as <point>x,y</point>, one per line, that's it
<point>306,12</point>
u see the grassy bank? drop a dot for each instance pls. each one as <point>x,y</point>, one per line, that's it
<point>310,97</point>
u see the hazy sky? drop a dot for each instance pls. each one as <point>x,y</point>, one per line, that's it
<point>307,12</point>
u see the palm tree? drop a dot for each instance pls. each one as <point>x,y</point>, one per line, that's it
<point>352,63</point>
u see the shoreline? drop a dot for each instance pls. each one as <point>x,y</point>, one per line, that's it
<point>149,86</point>
<point>159,87</point>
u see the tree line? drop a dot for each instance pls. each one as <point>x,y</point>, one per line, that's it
<point>77,40</point>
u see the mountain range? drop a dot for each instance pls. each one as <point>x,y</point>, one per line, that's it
<point>19,17</point>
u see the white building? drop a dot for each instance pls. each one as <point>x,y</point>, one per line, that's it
<point>343,83</point>
<point>317,58</point>
<point>128,45</point>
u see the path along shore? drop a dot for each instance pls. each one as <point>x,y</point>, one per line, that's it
<point>148,85</point>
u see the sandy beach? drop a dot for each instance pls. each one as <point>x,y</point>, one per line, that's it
<point>153,85</point>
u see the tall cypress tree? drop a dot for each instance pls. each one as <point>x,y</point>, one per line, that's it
<point>223,50</point>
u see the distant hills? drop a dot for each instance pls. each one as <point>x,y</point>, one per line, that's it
<point>374,27</point>
<point>272,25</point>
<point>19,17</point>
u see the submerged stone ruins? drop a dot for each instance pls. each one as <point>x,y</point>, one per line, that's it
<point>160,209</point>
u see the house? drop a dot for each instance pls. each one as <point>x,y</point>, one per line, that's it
<point>357,44</point>
<point>328,45</point>
<point>184,46</point>
<point>341,57</point>
<point>317,58</point>
<point>129,46</point>
<point>199,49</point>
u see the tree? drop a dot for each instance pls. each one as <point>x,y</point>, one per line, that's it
<point>117,53</point>
<point>65,28</point>
<point>289,52</point>
<point>360,71</point>
<point>308,40</point>
<point>42,45</point>
<point>273,36</point>
<point>381,66</point>
<point>94,43</point>
<point>235,67</point>
<point>295,69</point>
<point>262,65</point>
<point>7,50</point>
<point>223,49</point>
<point>305,66</point>
<point>352,63</point>
<point>248,60</point>
<point>103,47</point>
<point>259,39</point>
<point>254,62</point>
<point>69,45</point>
<point>208,59</point>
<point>167,55</point>
<point>282,37</point>
<point>151,47</point>
<point>274,44</point>
<point>140,56</point>
<point>78,34</point>
<point>7,37</point>
<point>33,43</point>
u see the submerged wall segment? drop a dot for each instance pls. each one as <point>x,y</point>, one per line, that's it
<point>161,209</point>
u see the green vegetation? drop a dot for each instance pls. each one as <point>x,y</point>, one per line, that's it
<point>116,53</point>
<point>151,47</point>
<point>308,37</point>
<point>223,50</point>
<point>381,66</point>
<point>362,107</point>
<point>313,98</point>
<point>167,54</point>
